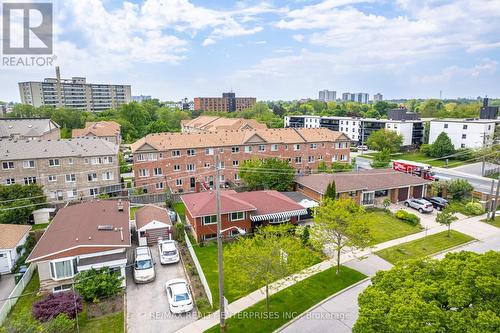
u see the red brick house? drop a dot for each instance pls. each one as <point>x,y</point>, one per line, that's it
<point>180,161</point>
<point>246,210</point>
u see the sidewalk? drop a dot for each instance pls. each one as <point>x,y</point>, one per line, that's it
<point>469,226</point>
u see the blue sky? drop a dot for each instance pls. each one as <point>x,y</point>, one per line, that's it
<point>172,49</point>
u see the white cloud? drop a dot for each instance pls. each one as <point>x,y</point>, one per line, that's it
<point>208,41</point>
<point>450,73</point>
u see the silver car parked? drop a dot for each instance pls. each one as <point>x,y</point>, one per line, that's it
<point>422,205</point>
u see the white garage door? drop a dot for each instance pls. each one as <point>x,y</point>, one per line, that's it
<point>4,263</point>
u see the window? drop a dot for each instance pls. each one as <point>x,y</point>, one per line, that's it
<point>143,173</point>
<point>109,159</point>
<point>465,127</point>
<point>221,165</point>
<point>152,156</point>
<point>296,147</point>
<point>71,178</point>
<point>235,150</point>
<point>54,162</point>
<point>320,157</point>
<point>236,163</point>
<point>212,219</point>
<point>63,269</point>
<point>190,167</point>
<point>462,145</point>
<point>236,176</point>
<point>464,136</point>
<point>209,236</point>
<point>445,125</point>
<point>310,159</point>
<point>94,191</point>
<point>157,171</point>
<point>222,179</point>
<point>62,287</point>
<point>29,180</point>
<point>28,164</point>
<point>71,160</point>
<point>191,152</point>
<point>177,167</point>
<point>95,160</point>
<point>141,157</point>
<point>221,149</point>
<point>207,165</point>
<point>286,147</point>
<point>334,158</point>
<point>298,159</point>
<point>108,175</point>
<point>86,161</point>
<point>72,193</point>
<point>237,216</point>
<point>209,151</point>
<point>10,181</point>
<point>262,147</point>
<point>343,157</point>
<point>159,186</point>
<point>248,149</point>
<point>178,182</point>
<point>161,155</point>
<point>274,147</point>
<point>314,146</point>
<point>176,153</point>
<point>7,165</point>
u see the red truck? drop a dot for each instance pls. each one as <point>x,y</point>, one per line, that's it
<point>414,168</point>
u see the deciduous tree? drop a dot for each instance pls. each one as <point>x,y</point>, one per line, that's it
<point>446,217</point>
<point>270,173</point>
<point>385,139</point>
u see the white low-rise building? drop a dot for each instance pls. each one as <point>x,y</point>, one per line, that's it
<point>465,133</point>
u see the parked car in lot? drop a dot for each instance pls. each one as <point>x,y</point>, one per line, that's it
<point>144,270</point>
<point>179,296</point>
<point>438,202</point>
<point>422,205</point>
<point>169,254</point>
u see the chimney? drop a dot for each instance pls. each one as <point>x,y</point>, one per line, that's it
<point>120,205</point>
<point>485,102</point>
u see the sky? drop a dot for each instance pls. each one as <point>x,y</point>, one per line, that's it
<point>276,50</point>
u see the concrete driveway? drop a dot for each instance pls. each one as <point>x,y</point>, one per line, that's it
<point>7,284</point>
<point>147,305</point>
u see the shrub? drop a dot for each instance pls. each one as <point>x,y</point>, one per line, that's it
<point>407,217</point>
<point>22,324</point>
<point>459,188</point>
<point>425,149</point>
<point>60,324</point>
<point>386,203</point>
<point>473,208</point>
<point>94,284</point>
<point>66,302</point>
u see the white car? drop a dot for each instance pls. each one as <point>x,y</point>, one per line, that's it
<point>169,254</point>
<point>144,270</point>
<point>179,297</point>
<point>422,205</point>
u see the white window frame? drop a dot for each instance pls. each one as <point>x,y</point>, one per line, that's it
<point>10,165</point>
<point>235,150</point>
<point>28,164</point>
<point>274,147</point>
<point>71,176</point>
<point>54,164</point>
<point>53,270</point>
<point>177,167</point>
<point>176,153</point>
<point>237,218</point>
<point>203,218</point>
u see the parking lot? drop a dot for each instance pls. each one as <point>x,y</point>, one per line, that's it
<point>147,305</point>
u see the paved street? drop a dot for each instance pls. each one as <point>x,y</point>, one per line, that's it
<point>476,168</point>
<point>147,305</point>
<point>482,184</point>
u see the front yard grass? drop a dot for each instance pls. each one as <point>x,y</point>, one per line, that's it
<point>290,302</point>
<point>424,246</point>
<point>207,256</point>
<point>419,157</point>
<point>384,227</point>
<point>495,222</point>
<point>112,323</point>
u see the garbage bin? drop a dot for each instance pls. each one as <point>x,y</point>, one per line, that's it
<point>17,277</point>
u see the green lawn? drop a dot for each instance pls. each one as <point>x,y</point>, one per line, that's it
<point>132,211</point>
<point>292,301</point>
<point>22,309</point>
<point>384,227</point>
<point>180,209</point>
<point>424,246</point>
<point>207,255</point>
<point>419,157</point>
<point>39,226</point>
<point>495,222</point>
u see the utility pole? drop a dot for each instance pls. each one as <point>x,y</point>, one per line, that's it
<point>484,153</point>
<point>490,200</point>
<point>362,135</point>
<point>219,245</point>
<point>495,205</point>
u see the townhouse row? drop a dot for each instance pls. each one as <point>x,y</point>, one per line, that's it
<point>183,161</point>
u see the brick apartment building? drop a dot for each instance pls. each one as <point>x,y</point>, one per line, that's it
<point>67,169</point>
<point>180,161</point>
<point>227,103</point>
<point>245,210</point>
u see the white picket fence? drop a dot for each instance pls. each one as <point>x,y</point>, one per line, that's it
<point>18,290</point>
<point>199,269</point>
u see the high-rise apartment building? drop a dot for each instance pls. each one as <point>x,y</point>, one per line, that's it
<point>362,98</point>
<point>348,97</point>
<point>327,95</point>
<point>227,103</point>
<point>74,93</point>
<point>378,97</point>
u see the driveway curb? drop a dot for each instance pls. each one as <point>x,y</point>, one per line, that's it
<point>320,303</point>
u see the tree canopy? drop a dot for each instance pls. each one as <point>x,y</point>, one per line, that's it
<point>17,202</point>
<point>270,173</point>
<point>459,293</point>
<point>441,147</point>
<point>385,139</point>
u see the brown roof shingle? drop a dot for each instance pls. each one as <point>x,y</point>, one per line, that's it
<point>75,227</point>
<point>148,213</point>
<point>167,141</point>
<point>99,128</point>
<point>11,234</point>
<point>368,180</point>
<point>212,123</point>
